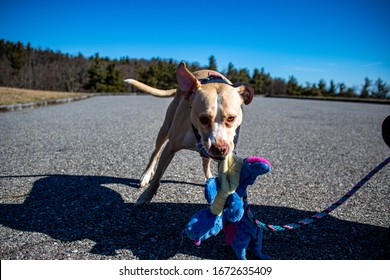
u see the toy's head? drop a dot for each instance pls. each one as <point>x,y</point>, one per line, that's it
<point>203,225</point>
<point>252,167</point>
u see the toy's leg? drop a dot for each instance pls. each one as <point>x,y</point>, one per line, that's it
<point>240,244</point>
<point>257,245</point>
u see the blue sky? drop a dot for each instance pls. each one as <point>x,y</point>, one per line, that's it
<point>335,39</point>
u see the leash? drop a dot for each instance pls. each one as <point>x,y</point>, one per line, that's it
<point>325,212</point>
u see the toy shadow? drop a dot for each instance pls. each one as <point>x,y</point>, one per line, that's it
<point>70,208</point>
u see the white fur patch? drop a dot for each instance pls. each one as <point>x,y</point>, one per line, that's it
<point>218,131</point>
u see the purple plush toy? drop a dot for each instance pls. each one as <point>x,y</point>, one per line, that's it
<point>236,220</point>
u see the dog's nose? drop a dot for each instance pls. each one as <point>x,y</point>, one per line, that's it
<point>219,150</point>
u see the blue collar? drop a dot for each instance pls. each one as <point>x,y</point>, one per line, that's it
<point>213,78</point>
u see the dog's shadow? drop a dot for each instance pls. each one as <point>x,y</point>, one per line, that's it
<point>71,208</point>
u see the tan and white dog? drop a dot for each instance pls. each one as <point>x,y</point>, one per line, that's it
<point>203,116</point>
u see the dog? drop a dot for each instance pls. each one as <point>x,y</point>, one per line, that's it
<point>205,116</point>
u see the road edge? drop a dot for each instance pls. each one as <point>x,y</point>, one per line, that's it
<point>43,103</point>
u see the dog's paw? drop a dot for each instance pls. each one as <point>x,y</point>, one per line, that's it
<point>144,199</point>
<point>145,179</point>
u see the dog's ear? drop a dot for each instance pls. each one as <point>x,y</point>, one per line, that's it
<point>186,80</point>
<point>247,92</point>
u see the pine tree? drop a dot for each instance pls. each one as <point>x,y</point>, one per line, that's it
<point>260,81</point>
<point>293,87</point>
<point>232,73</point>
<point>160,74</point>
<point>322,87</point>
<point>332,89</point>
<point>342,89</point>
<point>16,56</point>
<point>97,76</point>
<point>114,79</point>
<point>212,63</point>
<point>381,89</point>
<point>243,76</point>
<point>365,92</point>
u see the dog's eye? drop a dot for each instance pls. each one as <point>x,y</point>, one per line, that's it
<point>204,120</point>
<point>230,119</point>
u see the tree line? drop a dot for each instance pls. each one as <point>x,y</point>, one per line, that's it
<point>23,66</point>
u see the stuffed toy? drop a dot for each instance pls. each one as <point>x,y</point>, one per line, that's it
<point>229,211</point>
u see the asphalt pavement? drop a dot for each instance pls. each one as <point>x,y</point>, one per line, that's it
<point>69,179</point>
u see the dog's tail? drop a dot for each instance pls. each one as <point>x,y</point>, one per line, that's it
<point>151,90</point>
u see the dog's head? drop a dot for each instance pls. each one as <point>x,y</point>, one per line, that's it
<point>215,109</point>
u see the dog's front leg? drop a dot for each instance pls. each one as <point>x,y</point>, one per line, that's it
<point>161,139</point>
<point>206,167</point>
<point>166,157</point>
<point>148,173</point>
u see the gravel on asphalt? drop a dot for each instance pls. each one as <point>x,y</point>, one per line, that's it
<point>69,179</point>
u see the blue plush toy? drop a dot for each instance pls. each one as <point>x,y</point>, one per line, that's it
<point>229,209</point>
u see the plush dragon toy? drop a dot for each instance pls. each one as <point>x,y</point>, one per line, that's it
<point>229,211</point>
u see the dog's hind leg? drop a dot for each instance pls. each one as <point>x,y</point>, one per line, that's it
<point>166,157</point>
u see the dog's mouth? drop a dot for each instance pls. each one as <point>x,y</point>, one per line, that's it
<point>217,151</point>
<point>212,147</point>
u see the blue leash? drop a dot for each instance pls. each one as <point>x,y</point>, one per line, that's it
<point>325,212</point>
